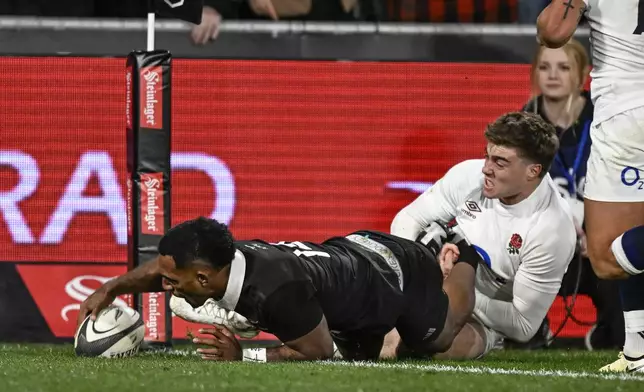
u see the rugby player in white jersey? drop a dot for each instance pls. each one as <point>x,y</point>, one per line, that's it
<point>614,190</point>
<point>510,210</point>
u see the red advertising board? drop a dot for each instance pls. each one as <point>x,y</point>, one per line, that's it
<point>288,150</point>
<point>152,203</point>
<point>150,100</point>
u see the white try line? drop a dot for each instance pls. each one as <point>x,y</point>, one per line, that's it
<point>488,370</point>
<point>450,368</point>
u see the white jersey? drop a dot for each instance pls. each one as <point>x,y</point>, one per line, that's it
<point>527,247</point>
<point>618,55</point>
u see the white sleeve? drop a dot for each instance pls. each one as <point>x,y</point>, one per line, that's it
<point>438,203</point>
<point>536,285</point>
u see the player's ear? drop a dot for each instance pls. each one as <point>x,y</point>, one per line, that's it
<point>534,171</point>
<point>202,278</point>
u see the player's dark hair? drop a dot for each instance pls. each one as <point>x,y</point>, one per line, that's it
<point>202,238</point>
<point>534,138</point>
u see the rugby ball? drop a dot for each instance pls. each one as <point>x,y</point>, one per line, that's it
<point>116,332</point>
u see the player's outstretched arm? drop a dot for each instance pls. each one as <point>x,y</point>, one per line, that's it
<point>293,314</point>
<point>558,21</point>
<point>224,346</point>
<point>439,203</point>
<point>315,345</point>
<point>145,278</point>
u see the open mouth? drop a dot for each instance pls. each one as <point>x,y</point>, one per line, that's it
<point>488,183</point>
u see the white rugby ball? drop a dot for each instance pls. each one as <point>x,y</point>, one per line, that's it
<point>116,332</point>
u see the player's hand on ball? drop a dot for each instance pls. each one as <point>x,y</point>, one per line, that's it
<point>447,257</point>
<point>224,346</point>
<point>99,300</point>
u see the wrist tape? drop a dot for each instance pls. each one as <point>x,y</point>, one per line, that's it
<point>254,355</point>
<point>467,254</point>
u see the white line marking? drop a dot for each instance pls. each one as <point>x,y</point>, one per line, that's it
<point>450,368</point>
<point>488,370</point>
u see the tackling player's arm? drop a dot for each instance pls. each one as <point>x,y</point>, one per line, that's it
<point>437,204</point>
<point>316,344</point>
<point>558,21</point>
<point>145,278</point>
<point>295,317</point>
<point>536,285</point>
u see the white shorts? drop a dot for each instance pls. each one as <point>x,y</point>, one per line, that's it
<point>615,171</point>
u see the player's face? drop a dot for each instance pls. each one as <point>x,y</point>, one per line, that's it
<point>554,72</point>
<point>187,283</point>
<point>506,173</point>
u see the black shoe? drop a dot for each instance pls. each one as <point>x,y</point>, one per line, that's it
<point>541,339</point>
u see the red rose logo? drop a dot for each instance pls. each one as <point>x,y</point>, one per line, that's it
<point>516,241</point>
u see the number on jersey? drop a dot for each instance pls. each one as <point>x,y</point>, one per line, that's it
<point>301,249</point>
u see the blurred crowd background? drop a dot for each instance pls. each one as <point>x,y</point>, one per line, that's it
<point>436,11</point>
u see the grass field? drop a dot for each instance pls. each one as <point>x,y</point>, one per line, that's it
<point>55,368</point>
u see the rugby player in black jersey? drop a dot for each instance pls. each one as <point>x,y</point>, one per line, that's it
<point>349,290</point>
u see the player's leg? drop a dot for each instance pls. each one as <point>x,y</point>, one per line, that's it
<point>612,230</point>
<point>474,341</point>
<point>435,317</point>
<point>614,216</point>
<point>470,343</point>
<point>615,233</point>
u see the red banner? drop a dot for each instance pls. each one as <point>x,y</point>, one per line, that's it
<point>59,290</point>
<point>299,150</point>
<point>151,102</point>
<point>153,316</point>
<point>152,203</point>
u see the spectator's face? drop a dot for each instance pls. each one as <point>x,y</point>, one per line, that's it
<point>554,71</point>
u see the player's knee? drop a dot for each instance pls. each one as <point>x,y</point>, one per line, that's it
<point>524,337</point>
<point>604,264</point>
<point>606,271</point>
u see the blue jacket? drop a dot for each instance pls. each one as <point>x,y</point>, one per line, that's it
<point>574,147</point>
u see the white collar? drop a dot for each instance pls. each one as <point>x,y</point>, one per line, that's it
<point>235,282</point>
<point>528,205</point>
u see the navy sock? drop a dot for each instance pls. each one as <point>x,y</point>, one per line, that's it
<point>628,249</point>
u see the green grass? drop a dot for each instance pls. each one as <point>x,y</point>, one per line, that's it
<point>54,368</point>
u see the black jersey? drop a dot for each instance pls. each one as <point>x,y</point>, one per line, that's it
<point>361,282</point>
